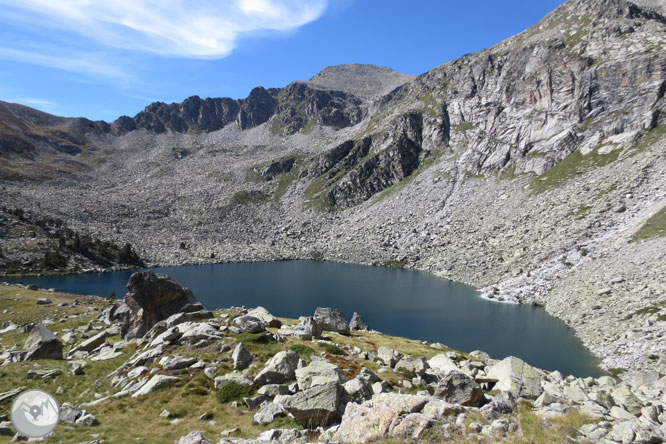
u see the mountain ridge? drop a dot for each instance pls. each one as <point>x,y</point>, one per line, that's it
<point>514,169</point>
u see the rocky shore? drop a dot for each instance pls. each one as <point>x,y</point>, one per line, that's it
<point>244,376</point>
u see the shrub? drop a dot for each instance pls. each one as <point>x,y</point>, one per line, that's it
<point>317,255</point>
<point>254,338</point>
<point>233,392</point>
<point>303,350</point>
<point>332,349</point>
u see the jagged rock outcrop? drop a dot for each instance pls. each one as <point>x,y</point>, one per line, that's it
<point>151,298</point>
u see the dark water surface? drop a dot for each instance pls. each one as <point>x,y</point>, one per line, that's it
<point>394,301</point>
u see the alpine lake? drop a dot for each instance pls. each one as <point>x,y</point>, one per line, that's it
<point>394,301</point>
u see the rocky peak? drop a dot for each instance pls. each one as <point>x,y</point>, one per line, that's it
<point>365,81</point>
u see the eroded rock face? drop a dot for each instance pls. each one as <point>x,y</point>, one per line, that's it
<point>152,297</point>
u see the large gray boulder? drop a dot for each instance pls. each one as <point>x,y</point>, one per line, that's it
<point>250,324</point>
<point>42,344</point>
<point>332,319</point>
<point>321,405</point>
<point>380,418</point>
<point>442,364</point>
<point>307,329</point>
<point>155,383</point>
<point>389,356</point>
<point>319,373</point>
<point>234,377</point>
<point>414,366</point>
<point>90,344</point>
<point>517,377</point>
<point>458,388</point>
<point>269,412</point>
<point>241,356</point>
<point>152,297</point>
<point>263,314</point>
<point>358,390</point>
<point>280,368</point>
<point>357,323</point>
<point>193,438</point>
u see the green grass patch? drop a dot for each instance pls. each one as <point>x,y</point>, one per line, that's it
<point>653,227</point>
<point>316,255</point>
<point>284,181</point>
<point>580,213</point>
<point>464,126</point>
<point>653,136</point>
<point>315,195</point>
<point>245,197</point>
<point>332,349</point>
<point>254,338</point>
<point>560,429</point>
<point>392,263</point>
<point>652,309</point>
<point>233,392</point>
<point>303,350</point>
<point>616,371</point>
<point>286,423</point>
<point>253,176</point>
<point>573,165</point>
<point>424,165</point>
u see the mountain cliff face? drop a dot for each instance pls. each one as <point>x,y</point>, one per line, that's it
<point>535,169</point>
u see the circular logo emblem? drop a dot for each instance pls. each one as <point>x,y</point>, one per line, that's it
<point>35,413</point>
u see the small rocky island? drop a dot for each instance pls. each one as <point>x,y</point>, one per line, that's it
<point>181,373</point>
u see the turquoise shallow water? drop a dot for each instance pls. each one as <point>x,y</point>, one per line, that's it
<point>394,301</point>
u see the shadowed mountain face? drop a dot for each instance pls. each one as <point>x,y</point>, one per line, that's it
<point>531,168</point>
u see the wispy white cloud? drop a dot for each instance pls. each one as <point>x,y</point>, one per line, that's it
<point>80,63</point>
<point>201,29</point>
<point>36,102</point>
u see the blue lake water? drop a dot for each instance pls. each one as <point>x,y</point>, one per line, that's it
<point>394,301</point>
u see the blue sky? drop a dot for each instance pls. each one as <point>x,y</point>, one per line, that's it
<point>106,59</point>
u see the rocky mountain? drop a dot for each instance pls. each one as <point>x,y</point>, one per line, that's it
<point>534,169</point>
